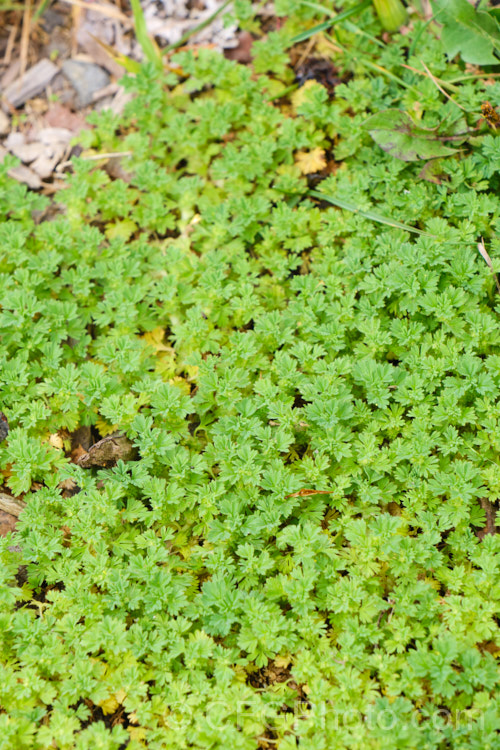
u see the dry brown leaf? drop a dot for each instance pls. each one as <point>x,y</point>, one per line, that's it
<point>242,53</point>
<point>59,116</point>
<point>68,486</point>
<point>77,453</point>
<point>310,161</point>
<point>490,115</point>
<point>484,253</point>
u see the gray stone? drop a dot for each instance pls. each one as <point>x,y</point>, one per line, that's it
<point>86,78</point>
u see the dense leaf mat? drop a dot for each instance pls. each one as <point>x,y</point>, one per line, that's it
<point>253,343</point>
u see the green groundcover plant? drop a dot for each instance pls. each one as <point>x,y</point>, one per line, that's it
<point>256,344</point>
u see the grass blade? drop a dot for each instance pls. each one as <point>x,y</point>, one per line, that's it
<point>191,32</point>
<point>372,215</point>
<point>150,49</point>
<point>41,8</point>
<point>327,24</point>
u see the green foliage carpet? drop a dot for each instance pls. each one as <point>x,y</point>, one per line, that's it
<point>256,343</point>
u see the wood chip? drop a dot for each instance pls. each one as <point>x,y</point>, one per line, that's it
<point>45,149</point>
<point>108,451</point>
<point>53,136</point>
<point>7,523</point>
<point>22,173</point>
<point>110,90</point>
<point>4,426</point>
<point>11,505</point>
<point>27,152</point>
<point>33,82</point>
<point>46,163</point>
<point>4,123</point>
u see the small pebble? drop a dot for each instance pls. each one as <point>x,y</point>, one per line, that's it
<point>86,78</point>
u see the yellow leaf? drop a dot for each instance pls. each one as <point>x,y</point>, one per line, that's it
<point>137,733</point>
<point>120,695</point>
<point>432,582</point>
<point>300,95</point>
<point>165,366</point>
<point>120,229</point>
<point>155,339</point>
<point>181,384</point>
<point>283,661</point>
<point>104,427</point>
<point>192,372</point>
<point>240,673</point>
<point>56,441</point>
<point>310,161</point>
<point>109,706</point>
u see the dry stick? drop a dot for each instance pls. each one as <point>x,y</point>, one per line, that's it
<point>490,513</point>
<point>192,32</point>
<point>441,89</point>
<point>105,10</point>
<point>306,52</point>
<point>422,73</point>
<point>485,255</point>
<point>10,43</point>
<point>76,12</point>
<point>94,157</point>
<point>307,493</point>
<point>25,38</point>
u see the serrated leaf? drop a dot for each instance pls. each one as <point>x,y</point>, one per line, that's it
<point>397,134</point>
